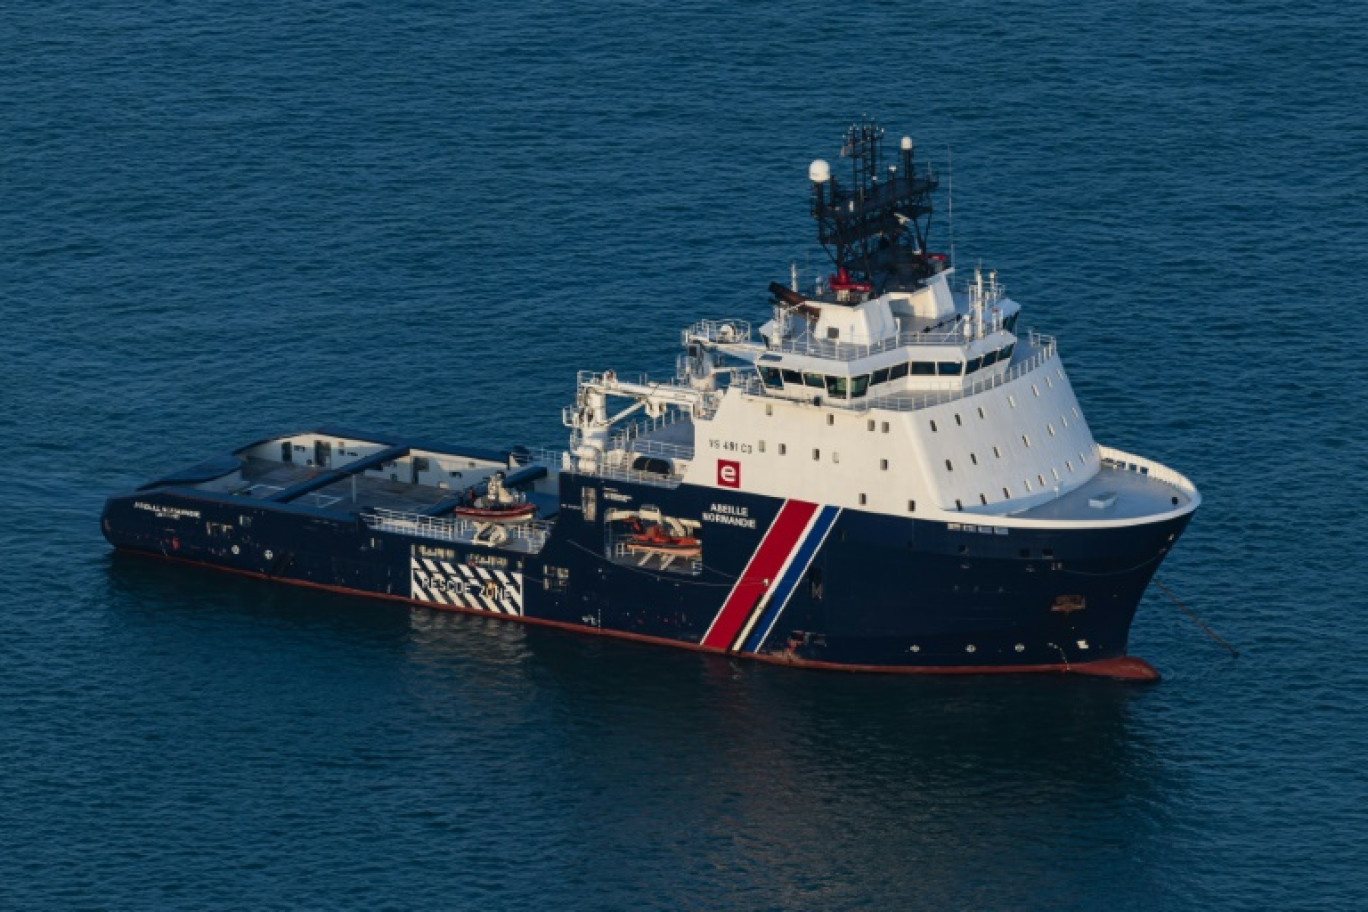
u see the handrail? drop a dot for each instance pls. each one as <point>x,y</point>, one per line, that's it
<point>1041,349</point>
<point>529,535</point>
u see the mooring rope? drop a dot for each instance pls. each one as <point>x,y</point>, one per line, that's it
<point>1198,621</point>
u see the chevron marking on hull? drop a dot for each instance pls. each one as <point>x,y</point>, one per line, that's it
<point>761,572</point>
<point>770,609</point>
<point>458,585</point>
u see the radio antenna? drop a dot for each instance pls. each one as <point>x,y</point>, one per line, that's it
<point>950,193</point>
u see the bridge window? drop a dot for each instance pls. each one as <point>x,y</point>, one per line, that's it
<point>879,376</point>
<point>923,368</point>
<point>773,377</point>
<point>897,371</point>
<point>990,358</point>
<point>859,386</point>
<point>814,380</point>
<point>836,387</point>
<point>973,365</point>
<point>792,376</point>
<point>951,368</point>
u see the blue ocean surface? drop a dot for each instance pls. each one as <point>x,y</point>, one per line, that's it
<point>220,221</point>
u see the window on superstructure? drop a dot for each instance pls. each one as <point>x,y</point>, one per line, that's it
<point>980,411</point>
<point>835,457</point>
<point>983,499</point>
<point>761,444</point>
<point>933,425</point>
<point>885,427</point>
<point>769,410</point>
<point>833,332</point>
<point>817,454</point>
<point>870,424</point>
<point>1006,494</point>
<point>863,500</point>
<point>792,376</point>
<point>958,505</point>
<point>883,464</point>
<point>897,371</point>
<point>973,365</point>
<point>911,506</point>
<point>1041,479</point>
<point>831,419</point>
<point>973,458</point>
<point>948,466</point>
<point>991,358</point>
<point>814,380</point>
<point>879,376</point>
<point>1068,464</point>
<point>1026,440</point>
<point>923,368</point>
<point>958,422</point>
<point>783,449</point>
<point>997,452</point>
<point>772,377</point>
<point>859,386</point>
<point>1028,485</point>
<point>836,387</point>
<point>950,368</point>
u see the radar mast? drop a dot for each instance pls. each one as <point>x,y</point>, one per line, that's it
<point>876,228</point>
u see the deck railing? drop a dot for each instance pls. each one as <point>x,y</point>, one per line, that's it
<point>529,536</point>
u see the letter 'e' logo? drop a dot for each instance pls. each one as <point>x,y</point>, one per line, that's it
<point>728,474</point>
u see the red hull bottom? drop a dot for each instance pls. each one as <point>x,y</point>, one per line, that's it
<point>1122,668</point>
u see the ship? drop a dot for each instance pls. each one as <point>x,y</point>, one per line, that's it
<point>885,475</point>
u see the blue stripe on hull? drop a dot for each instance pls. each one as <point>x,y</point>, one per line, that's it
<point>784,589</point>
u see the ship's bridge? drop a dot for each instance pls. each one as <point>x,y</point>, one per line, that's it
<point>846,346</point>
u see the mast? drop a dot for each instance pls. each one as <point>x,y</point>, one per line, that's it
<point>876,228</point>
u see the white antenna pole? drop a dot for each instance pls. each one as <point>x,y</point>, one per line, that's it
<point>950,179</point>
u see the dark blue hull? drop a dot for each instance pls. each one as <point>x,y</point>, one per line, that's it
<point>778,580</point>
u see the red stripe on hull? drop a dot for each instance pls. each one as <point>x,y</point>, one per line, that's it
<point>1128,668</point>
<point>761,573</point>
